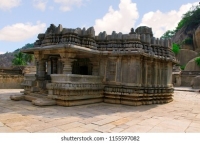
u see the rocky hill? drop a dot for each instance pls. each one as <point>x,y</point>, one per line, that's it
<point>187,35</point>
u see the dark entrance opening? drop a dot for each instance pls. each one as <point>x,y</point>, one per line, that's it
<point>82,67</point>
<point>54,65</point>
<point>83,70</point>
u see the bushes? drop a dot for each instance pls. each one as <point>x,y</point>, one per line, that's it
<point>175,48</point>
<point>188,41</point>
<point>168,34</point>
<point>190,18</point>
<point>182,67</point>
<point>197,60</point>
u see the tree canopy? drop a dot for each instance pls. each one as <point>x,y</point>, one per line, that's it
<point>190,18</point>
<point>168,34</point>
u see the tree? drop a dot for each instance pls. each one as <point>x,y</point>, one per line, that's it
<point>28,58</point>
<point>19,59</point>
<point>168,34</point>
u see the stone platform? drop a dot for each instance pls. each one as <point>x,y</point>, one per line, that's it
<point>181,115</point>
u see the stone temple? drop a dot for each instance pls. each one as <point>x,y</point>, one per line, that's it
<point>75,67</point>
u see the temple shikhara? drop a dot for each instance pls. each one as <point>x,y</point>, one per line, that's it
<point>75,67</point>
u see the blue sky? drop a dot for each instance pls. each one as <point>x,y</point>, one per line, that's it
<point>22,20</point>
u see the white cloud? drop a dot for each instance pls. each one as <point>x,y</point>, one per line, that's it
<point>66,5</point>
<point>21,31</point>
<point>2,52</point>
<point>40,4</point>
<point>9,4</point>
<point>161,22</point>
<point>118,20</point>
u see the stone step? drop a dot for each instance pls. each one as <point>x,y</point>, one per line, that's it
<point>38,94</point>
<point>44,102</point>
<point>39,99</point>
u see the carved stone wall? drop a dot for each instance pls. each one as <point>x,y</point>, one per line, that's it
<point>11,81</point>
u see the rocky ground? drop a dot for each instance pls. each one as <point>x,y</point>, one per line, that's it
<point>181,115</point>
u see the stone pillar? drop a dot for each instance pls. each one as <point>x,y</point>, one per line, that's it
<point>105,70</point>
<point>149,72</point>
<point>145,73</point>
<point>135,70</point>
<point>95,68</point>
<point>159,74</point>
<point>67,59</point>
<point>124,72</point>
<point>118,69</point>
<point>67,69</point>
<point>59,66</point>
<point>102,67</point>
<point>140,78</point>
<point>111,69</point>
<point>41,69</point>
<point>162,74</point>
<point>165,73</point>
<point>169,74</point>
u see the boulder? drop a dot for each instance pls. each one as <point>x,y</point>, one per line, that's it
<point>196,38</point>
<point>192,66</point>
<point>184,56</point>
<point>198,50</point>
<point>188,47</point>
<point>196,82</point>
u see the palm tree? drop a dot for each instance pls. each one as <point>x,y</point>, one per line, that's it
<point>28,58</point>
<point>19,59</point>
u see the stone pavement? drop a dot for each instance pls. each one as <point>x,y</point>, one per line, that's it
<point>181,115</point>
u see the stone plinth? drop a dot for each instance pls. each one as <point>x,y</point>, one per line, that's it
<point>29,83</point>
<point>71,89</point>
<point>137,96</point>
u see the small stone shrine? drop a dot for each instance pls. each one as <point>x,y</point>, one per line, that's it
<point>75,67</point>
